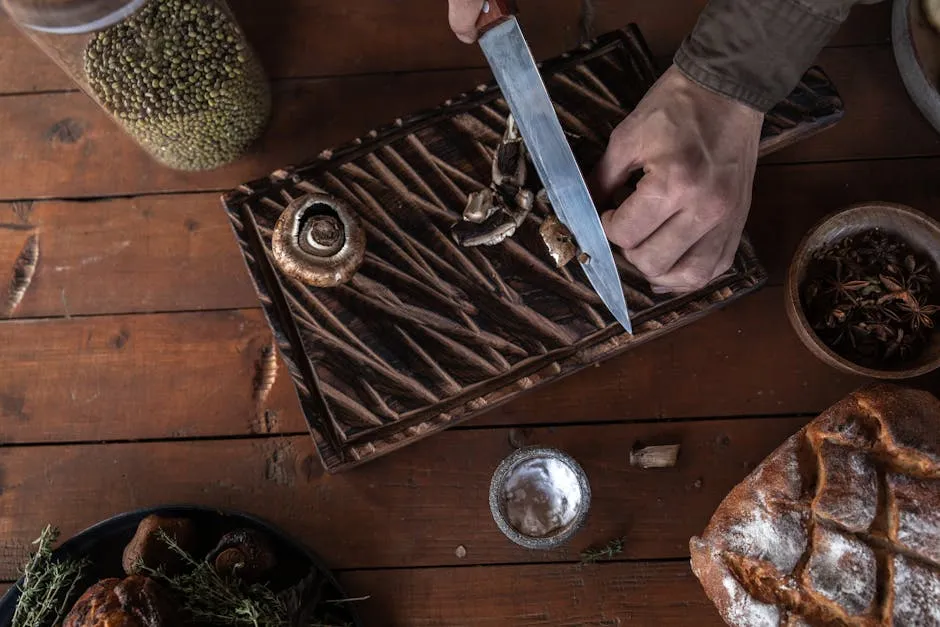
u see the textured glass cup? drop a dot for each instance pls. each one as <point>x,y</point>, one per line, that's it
<point>177,75</point>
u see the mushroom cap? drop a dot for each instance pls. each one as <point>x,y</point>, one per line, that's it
<point>319,240</point>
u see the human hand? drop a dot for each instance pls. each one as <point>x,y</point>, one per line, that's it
<point>698,151</point>
<point>463,16</point>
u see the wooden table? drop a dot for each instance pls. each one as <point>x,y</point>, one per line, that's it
<point>128,370</point>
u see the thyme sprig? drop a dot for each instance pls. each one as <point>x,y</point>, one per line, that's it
<point>609,551</point>
<point>48,584</point>
<point>209,597</point>
<point>213,599</point>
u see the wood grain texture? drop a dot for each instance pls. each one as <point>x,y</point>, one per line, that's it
<point>181,255</point>
<point>136,377</point>
<point>742,360</point>
<point>164,253</point>
<point>789,200</point>
<point>390,40</point>
<point>384,360</point>
<point>154,387</point>
<point>66,146</point>
<point>407,509</point>
<point>606,595</point>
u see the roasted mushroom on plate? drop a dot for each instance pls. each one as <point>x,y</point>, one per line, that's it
<point>147,549</point>
<point>244,554</point>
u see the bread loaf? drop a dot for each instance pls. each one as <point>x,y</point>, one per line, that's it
<point>839,526</point>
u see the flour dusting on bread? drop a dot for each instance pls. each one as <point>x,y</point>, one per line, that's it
<point>840,526</point>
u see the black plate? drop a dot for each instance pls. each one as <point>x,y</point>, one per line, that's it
<point>104,544</point>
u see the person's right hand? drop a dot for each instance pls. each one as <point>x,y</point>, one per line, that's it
<point>463,15</point>
<point>698,152</point>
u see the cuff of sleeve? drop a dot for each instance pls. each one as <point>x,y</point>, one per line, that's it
<point>755,51</point>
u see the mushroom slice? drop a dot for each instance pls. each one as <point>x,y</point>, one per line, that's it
<point>480,206</point>
<point>509,166</point>
<point>558,240</point>
<point>494,230</point>
<point>319,240</point>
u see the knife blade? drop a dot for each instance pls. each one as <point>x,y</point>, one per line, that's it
<point>519,79</point>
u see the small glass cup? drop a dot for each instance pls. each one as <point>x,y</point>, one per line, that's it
<point>540,497</point>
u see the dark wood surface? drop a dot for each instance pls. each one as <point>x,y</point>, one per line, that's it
<point>428,333</point>
<point>129,368</point>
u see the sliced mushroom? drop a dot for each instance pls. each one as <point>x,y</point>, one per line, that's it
<point>245,554</point>
<point>494,230</point>
<point>507,215</point>
<point>509,166</point>
<point>480,206</point>
<point>559,241</point>
<point>493,214</point>
<point>319,240</point>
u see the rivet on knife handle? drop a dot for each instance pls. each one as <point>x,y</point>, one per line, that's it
<point>494,12</point>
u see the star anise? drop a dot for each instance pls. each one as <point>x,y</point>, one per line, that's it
<point>919,315</point>
<point>868,297</point>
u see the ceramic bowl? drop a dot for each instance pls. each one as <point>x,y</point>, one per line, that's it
<point>572,476</point>
<point>919,231</point>
<point>917,53</point>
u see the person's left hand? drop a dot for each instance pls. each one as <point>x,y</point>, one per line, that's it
<point>463,15</point>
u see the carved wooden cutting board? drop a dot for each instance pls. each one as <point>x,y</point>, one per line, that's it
<point>428,334</point>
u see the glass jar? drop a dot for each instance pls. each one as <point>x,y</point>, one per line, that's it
<point>177,75</point>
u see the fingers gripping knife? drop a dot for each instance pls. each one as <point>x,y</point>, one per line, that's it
<point>519,79</point>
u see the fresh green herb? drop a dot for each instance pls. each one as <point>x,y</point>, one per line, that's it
<point>213,599</point>
<point>48,584</point>
<point>609,551</point>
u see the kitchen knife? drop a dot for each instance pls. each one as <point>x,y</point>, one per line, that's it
<point>518,77</point>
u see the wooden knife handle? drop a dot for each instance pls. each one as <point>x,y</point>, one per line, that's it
<point>494,12</point>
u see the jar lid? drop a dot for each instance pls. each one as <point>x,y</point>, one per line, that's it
<point>70,17</point>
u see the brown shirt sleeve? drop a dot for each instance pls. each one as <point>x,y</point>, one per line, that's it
<point>756,51</point>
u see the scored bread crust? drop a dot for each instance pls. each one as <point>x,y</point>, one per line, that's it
<point>839,526</point>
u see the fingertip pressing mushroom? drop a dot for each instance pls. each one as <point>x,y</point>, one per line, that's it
<point>319,240</point>
<point>244,554</point>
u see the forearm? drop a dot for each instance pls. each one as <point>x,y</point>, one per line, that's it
<point>755,51</point>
